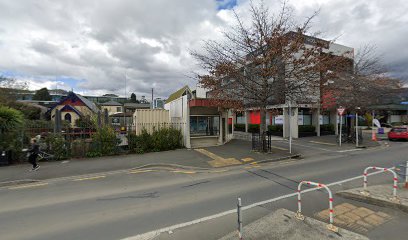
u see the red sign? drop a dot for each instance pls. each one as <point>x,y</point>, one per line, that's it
<point>340,111</point>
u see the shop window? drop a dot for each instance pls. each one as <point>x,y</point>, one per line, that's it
<point>204,125</point>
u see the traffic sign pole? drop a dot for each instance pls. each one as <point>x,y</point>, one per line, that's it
<point>340,111</point>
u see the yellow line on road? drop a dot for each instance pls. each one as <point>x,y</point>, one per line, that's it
<point>280,148</point>
<point>29,186</point>
<point>248,159</point>
<point>325,143</point>
<point>89,178</point>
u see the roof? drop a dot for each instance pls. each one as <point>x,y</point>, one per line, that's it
<point>394,107</point>
<point>73,95</point>
<point>89,104</point>
<point>179,93</point>
<point>71,108</point>
<point>137,105</point>
<point>110,103</point>
<point>128,114</point>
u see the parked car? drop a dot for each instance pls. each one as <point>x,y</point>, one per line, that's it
<point>398,133</point>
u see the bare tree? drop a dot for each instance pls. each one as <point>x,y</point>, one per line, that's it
<point>272,60</point>
<point>363,85</point>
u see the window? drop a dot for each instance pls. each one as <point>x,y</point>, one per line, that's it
<point>67,117</point>
<point>204,125</point>
<point>118,109</point>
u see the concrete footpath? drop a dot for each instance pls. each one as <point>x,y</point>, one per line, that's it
<point>282,224</point>
<point>233,153</point>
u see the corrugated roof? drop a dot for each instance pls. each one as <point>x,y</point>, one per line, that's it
<point>110,103</point>
<point>177,94</point>
<point>89,104</point>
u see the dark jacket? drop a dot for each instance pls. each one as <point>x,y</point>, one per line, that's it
<point>35,149</point>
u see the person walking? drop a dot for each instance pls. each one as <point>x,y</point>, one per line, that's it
<point>34,151</point>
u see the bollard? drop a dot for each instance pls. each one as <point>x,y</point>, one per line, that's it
<point>299,214</point>
<point>406,175</point>
<point>239,212</point>
<point>395,182</point>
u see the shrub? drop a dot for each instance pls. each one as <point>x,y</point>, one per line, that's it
<point>275,128</point>
<point>104,142</point>
<point>253,128</point>
<point>160,140</point>
<point>11,137</point>
<point>327,128</point>
<point>57,146</point>
<point>239,127</point>
<point>306,128</point>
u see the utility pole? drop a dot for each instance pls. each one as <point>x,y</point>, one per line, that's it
<point>152,99</point>
<point>124,110</point>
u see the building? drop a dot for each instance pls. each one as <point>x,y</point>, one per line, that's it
<point>203,123</point>
<point>158,103</point>
<point>305,114</point>
<point>112,107</point>
<point>132,107</point>
<point>73,107</point>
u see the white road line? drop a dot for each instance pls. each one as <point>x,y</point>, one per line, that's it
<point>155,233</point>
<point>350,150</point>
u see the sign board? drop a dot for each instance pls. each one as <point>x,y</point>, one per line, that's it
<point>341,111</point>
<point>279,120</point>
<point>404,103</point>
<point>300,119</point>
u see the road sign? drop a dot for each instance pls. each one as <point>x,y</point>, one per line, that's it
<point>341,111</point>
<point>404,103</point>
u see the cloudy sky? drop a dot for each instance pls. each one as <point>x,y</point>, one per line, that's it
<point>93,46</point>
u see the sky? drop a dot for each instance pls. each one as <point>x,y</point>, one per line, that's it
<point>123,46</point>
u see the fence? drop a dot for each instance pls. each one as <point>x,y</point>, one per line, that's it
<point>92,140</point>
<point>262,142</point>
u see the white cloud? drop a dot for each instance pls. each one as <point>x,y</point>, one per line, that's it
<point>98,41</point>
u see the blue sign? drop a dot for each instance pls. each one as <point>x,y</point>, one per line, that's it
<point>404,103</point>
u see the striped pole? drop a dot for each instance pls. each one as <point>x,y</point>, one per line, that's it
<point>331,211</point>
<point>395,179</point>
<point>239,212</point>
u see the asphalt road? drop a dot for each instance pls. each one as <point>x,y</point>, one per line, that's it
<point>130,203</point>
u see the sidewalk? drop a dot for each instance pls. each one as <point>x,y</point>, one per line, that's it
<point>331,141</point>
<point>239,152</point>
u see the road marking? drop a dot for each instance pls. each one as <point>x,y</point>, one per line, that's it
<point>325,143</point>
<point>185,172</point>
<point>350,150</point>
<point>155,233</point>
<point>28,186</point>
<point>219,171</point>
<point>280,148</point>
<point>248,159</point>
<point>141,171</point>
<point>88,178</point>
<point>217,160</point>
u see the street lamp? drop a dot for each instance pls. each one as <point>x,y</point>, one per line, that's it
<point>357,108</point>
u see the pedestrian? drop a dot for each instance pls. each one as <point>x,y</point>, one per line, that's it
<point>34,151</point>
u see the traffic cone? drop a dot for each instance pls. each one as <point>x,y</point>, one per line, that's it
<point>374,137</point>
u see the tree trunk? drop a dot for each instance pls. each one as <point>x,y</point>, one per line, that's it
<point>262,125</point>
